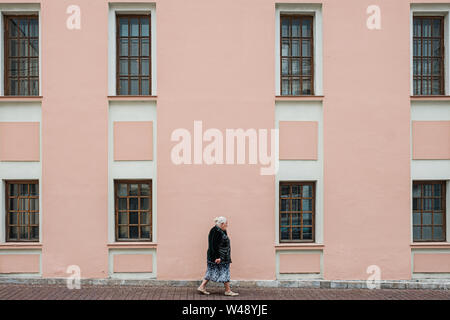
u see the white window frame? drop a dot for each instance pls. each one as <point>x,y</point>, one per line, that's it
<point>129,8</point>
<point>316,10</point>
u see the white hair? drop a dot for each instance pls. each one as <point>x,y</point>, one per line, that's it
<point>219,220</point>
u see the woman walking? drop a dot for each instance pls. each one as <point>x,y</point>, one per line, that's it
<point>218,257</point>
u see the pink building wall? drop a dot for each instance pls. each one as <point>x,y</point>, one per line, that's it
<point>216,63</point>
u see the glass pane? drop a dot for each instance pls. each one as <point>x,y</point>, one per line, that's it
<point>284,233</point>
<point>13,190</point>
<point>307,233</point>
<point>426,233</point>
<point>427,190</point>
<point>14,87</point>
<point>284,219</point>
<point>123,83</point>
<point>123,47</point>
<point>134,86</point>
<point>417,67</point>
<point>122,190</point>
<point>285,66</point>
<point>417,47</point>
<point>437,190</point>
<point>416,234</point>
<point>307,191</point>
<point>306,66</point>
<point>133,190</point>
<point>13,28</point>
<point>295,27</point>
<point>13,232</point>
<point>427,204</point>
<point>284,191</point>
<point>134,217</point>
<point>296,87</point>
<point>306,86</point>
<point>34,87</point>
<point>296,219</point>
<point>438,234</point>
<point>34,204</point>
<point>285,27</point>
<point>23,219</point>
<point>34,48</point>
<point>134,232</point>
<point>34,67</point>
<point>145,86</point>
<point>145,48</point>
<point>145,28</point>
<point>145,232</point>
<point>426,49</point>
<point>122,204</point>
<point>23,232</point>
<point>416,218</point>
<point>13,218</point>
<point>295,205</point>
<point>34,28</point>
<point>296,234</point>
<point>417,27</point>
<point>34,233</point>
<point>426,27</point>
<point>145,67</point>
<point>437,204</point>
<point>134,47</point>
<point>23,67</point>
<point>285,48</point>
<point>13,67</point>
<point>145,218</point>
<point>145,203</point>
<point>123,27</point>
<point>123,232</point>
<point>134,26</point>
<point>145,189</point>
<point>306,204</point>
<point>34,218</point>
<point>437,48</point>
<point>13,48</point>
<point>438,218</point>
<point>133,204</point>
<point>436,67</point>
<point>295,67</point>
<point>23,89</point>
<point>284,205</point>
<point>23,47</point>
<point>426,218</point>
<point>436,28</point>
<point>123,67</point>
<point>123,218</point>
<point>426,67</point>
<point>306,28</point>
<point>134,67</point>
<point>13,206</point>
<point>296,191</point>
<point>307,219</point>
<point>23,27</point>
<point>23,190</point>
<point>295,48</point>
<point>285,87</point>
<point>306,48</point>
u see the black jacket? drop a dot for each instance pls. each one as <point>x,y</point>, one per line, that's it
<point>218,245</point>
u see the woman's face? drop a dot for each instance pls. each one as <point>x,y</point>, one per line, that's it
<point>224,226</point>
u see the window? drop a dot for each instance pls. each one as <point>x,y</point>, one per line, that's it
<point>133,55</point>
<point>429,211</point>
<point>21,55</point>
<point>133,210</point>
<point>297,51</point>
<point>428,55</point>
<point>297,207</point>
<point>22,211</point>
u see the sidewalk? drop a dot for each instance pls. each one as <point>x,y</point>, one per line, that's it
<point>58,292</point>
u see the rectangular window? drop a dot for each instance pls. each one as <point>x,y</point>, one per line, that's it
<point>133,206</point>
<point>22,211</point>
<point>133,55</point>
<point>428,55</point>
<point>21,55</point>
<point>429,211</point>
<point>297,210</point>
<point>297,52</point>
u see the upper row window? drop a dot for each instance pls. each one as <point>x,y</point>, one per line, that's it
<point>428,55</point>
<point>21,55</point>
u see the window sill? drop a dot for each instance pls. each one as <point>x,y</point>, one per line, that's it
<point>21,245</point>
<point>299,98</point>
<point>430,98</point>
<point>132,245</point>
<point>132,98</point>
<point>430,245</point>
<point>21,98</point>
<point>302,246</point>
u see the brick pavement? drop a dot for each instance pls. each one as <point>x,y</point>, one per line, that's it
<point>103,292</point>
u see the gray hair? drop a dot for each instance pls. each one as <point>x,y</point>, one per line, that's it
<point>219,220</point>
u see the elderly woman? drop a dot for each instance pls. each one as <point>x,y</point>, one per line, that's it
<point>218,257</point>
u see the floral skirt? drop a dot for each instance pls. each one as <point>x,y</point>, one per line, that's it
<point>218,272</point>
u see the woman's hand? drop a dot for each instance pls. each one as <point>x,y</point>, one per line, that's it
<point>217,260</point>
